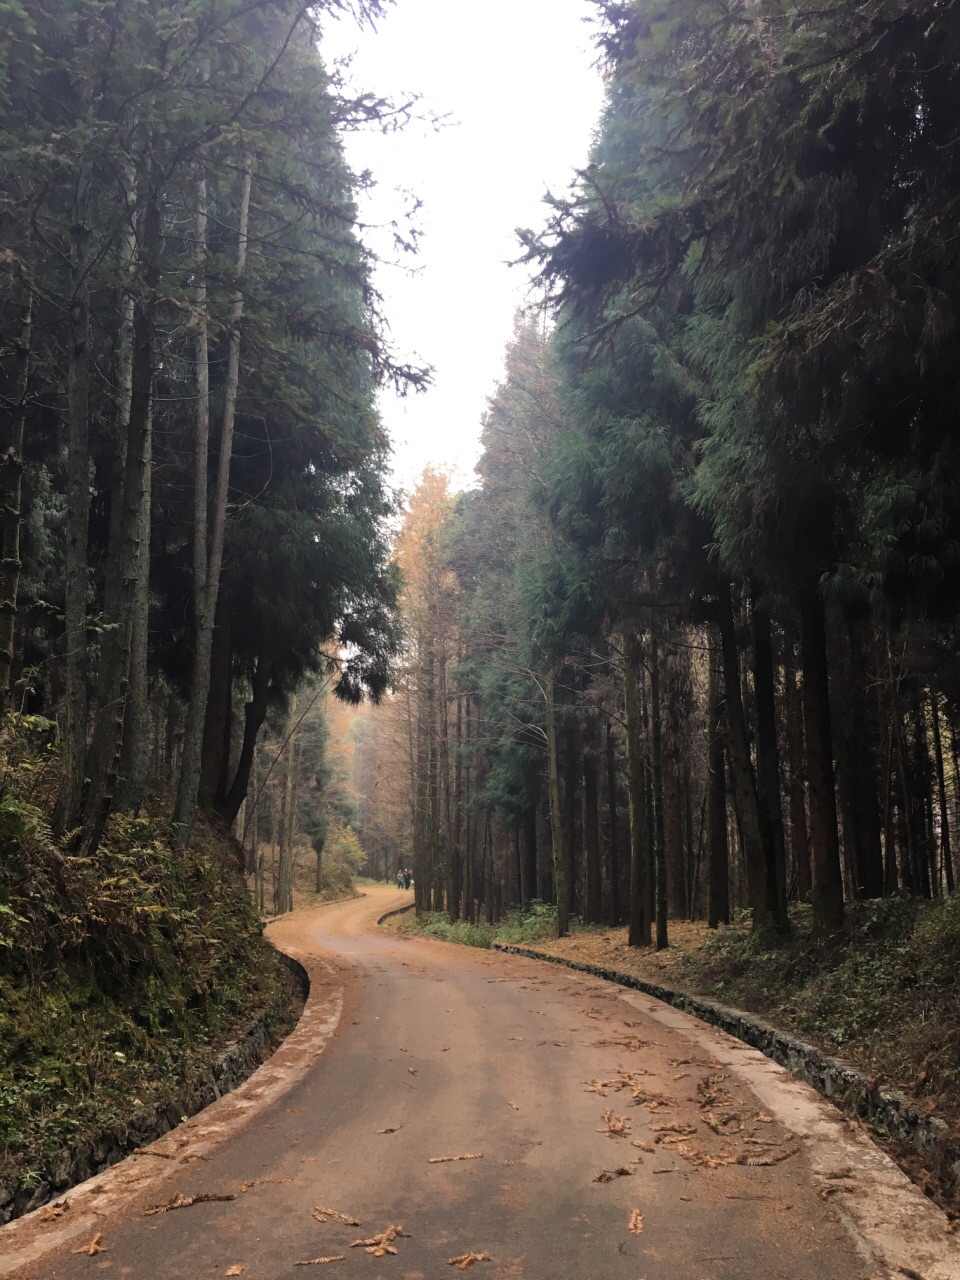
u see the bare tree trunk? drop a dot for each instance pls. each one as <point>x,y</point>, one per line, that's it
<point>592,913</point>
<point>614,820</point>
<point>946,858</point>
<point>73,756</point>
<point>718,850</point>
<point>105,750</point>
<point>659,846</point>
<point>640,930</point>
<point>189,783</point>
<point>768,764</point>
<point>12,465</point>
<point>136,726</point>
<point>556,825</point>
<point>799,839</point>
<point>827,877</point>
<point>742,772</point>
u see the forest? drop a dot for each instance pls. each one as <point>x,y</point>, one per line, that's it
<point>194,525</point>
<point>688,648</point>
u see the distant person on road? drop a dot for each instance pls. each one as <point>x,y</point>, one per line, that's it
<point>401,878</point>
<point>407,877</point>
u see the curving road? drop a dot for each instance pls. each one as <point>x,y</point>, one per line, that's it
<point>610,1137</point>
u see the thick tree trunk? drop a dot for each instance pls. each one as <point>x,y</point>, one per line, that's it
<point>571,781</point>
<point>742,774</point>
<point>718,854</point>
<point>827,877</point>
<point>591,827</point>
<point>136,726</point>
<point>254,716</point>
<point>946,858</point>
<point>12,466</point>
<point>556,825</point>
<point>188,788</point>
<point>73,755</point>
<point>613,818</point>
<point>215,763</point>
<point>659,845</point>
<point>639,922</point>
<point>799,838</point>
<point>768,764</point>
<point>134,549</point>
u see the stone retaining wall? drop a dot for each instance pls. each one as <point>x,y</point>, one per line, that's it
<point>397,911</point>
<point>889,1113</point>
<point>236,1062</point>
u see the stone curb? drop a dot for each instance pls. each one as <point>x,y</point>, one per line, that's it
<point>889,1113</point>
<point>238,1060</point>
<point>397,911</point>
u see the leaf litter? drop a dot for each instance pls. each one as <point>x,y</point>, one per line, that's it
<point>92,1246</point>
<point>470,1155</point>
<point>322,1213</point>
<point>465,1260</point>
<point>180,1201</point>
<point>381,1243</point>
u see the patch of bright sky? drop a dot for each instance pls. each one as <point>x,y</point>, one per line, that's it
<point>519,82</point>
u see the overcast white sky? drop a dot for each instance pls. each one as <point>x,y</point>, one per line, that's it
<point>518,80</point>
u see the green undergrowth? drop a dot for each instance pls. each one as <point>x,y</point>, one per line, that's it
<point>122,976</point>
<point>883,993</point>
<point>539,921</point>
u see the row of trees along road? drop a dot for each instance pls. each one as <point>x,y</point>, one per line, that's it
<point>692,642</point>
<point>194,502</point>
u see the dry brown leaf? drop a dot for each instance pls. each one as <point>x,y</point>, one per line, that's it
<point>644,1146</point>
<point>635,1225</point>
<point>608,1175</point>
<point>319,1262</point>
<point>595,1086</point>
<point>393,1129</point>
<point>92,1246</point>
<point>380,1244</point>
<point>514,1105</point>
<point>764,1118</point>
<point>161,1155</point>
<point>614,1126</point>
<point>236,1270</point>
<point>180,1201</point>
<point>762,1162</point>
<point>54,1211</point>
<point>465,1260</point>
<point>322,1213</point>
<point>411,1071</point>
<point>471,1155</point>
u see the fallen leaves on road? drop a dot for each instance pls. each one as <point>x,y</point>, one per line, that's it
<point>54,1211</point>
<point>596,1086</point>
<point>380,1244</point>
<point>394,1128</point>
<point>322,1213</point>
<point>465,1260</point>
<point>614,1126</point>
<point>161,1155</point>
<point>608,1175</point>
<point>471,1155</point>
<point>92,1246</point>
<point>411,1071</point>
<point>319,1262</point>
<point>236,1270</point>
<point>183,1202</point>
<point>515,1105</point>
<point>635,1225</point>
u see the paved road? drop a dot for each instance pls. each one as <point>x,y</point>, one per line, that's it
<point>713,1164</point>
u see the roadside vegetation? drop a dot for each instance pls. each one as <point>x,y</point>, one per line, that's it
<point>123,974</point>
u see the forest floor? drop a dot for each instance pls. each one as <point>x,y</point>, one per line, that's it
<point>893,967</point>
